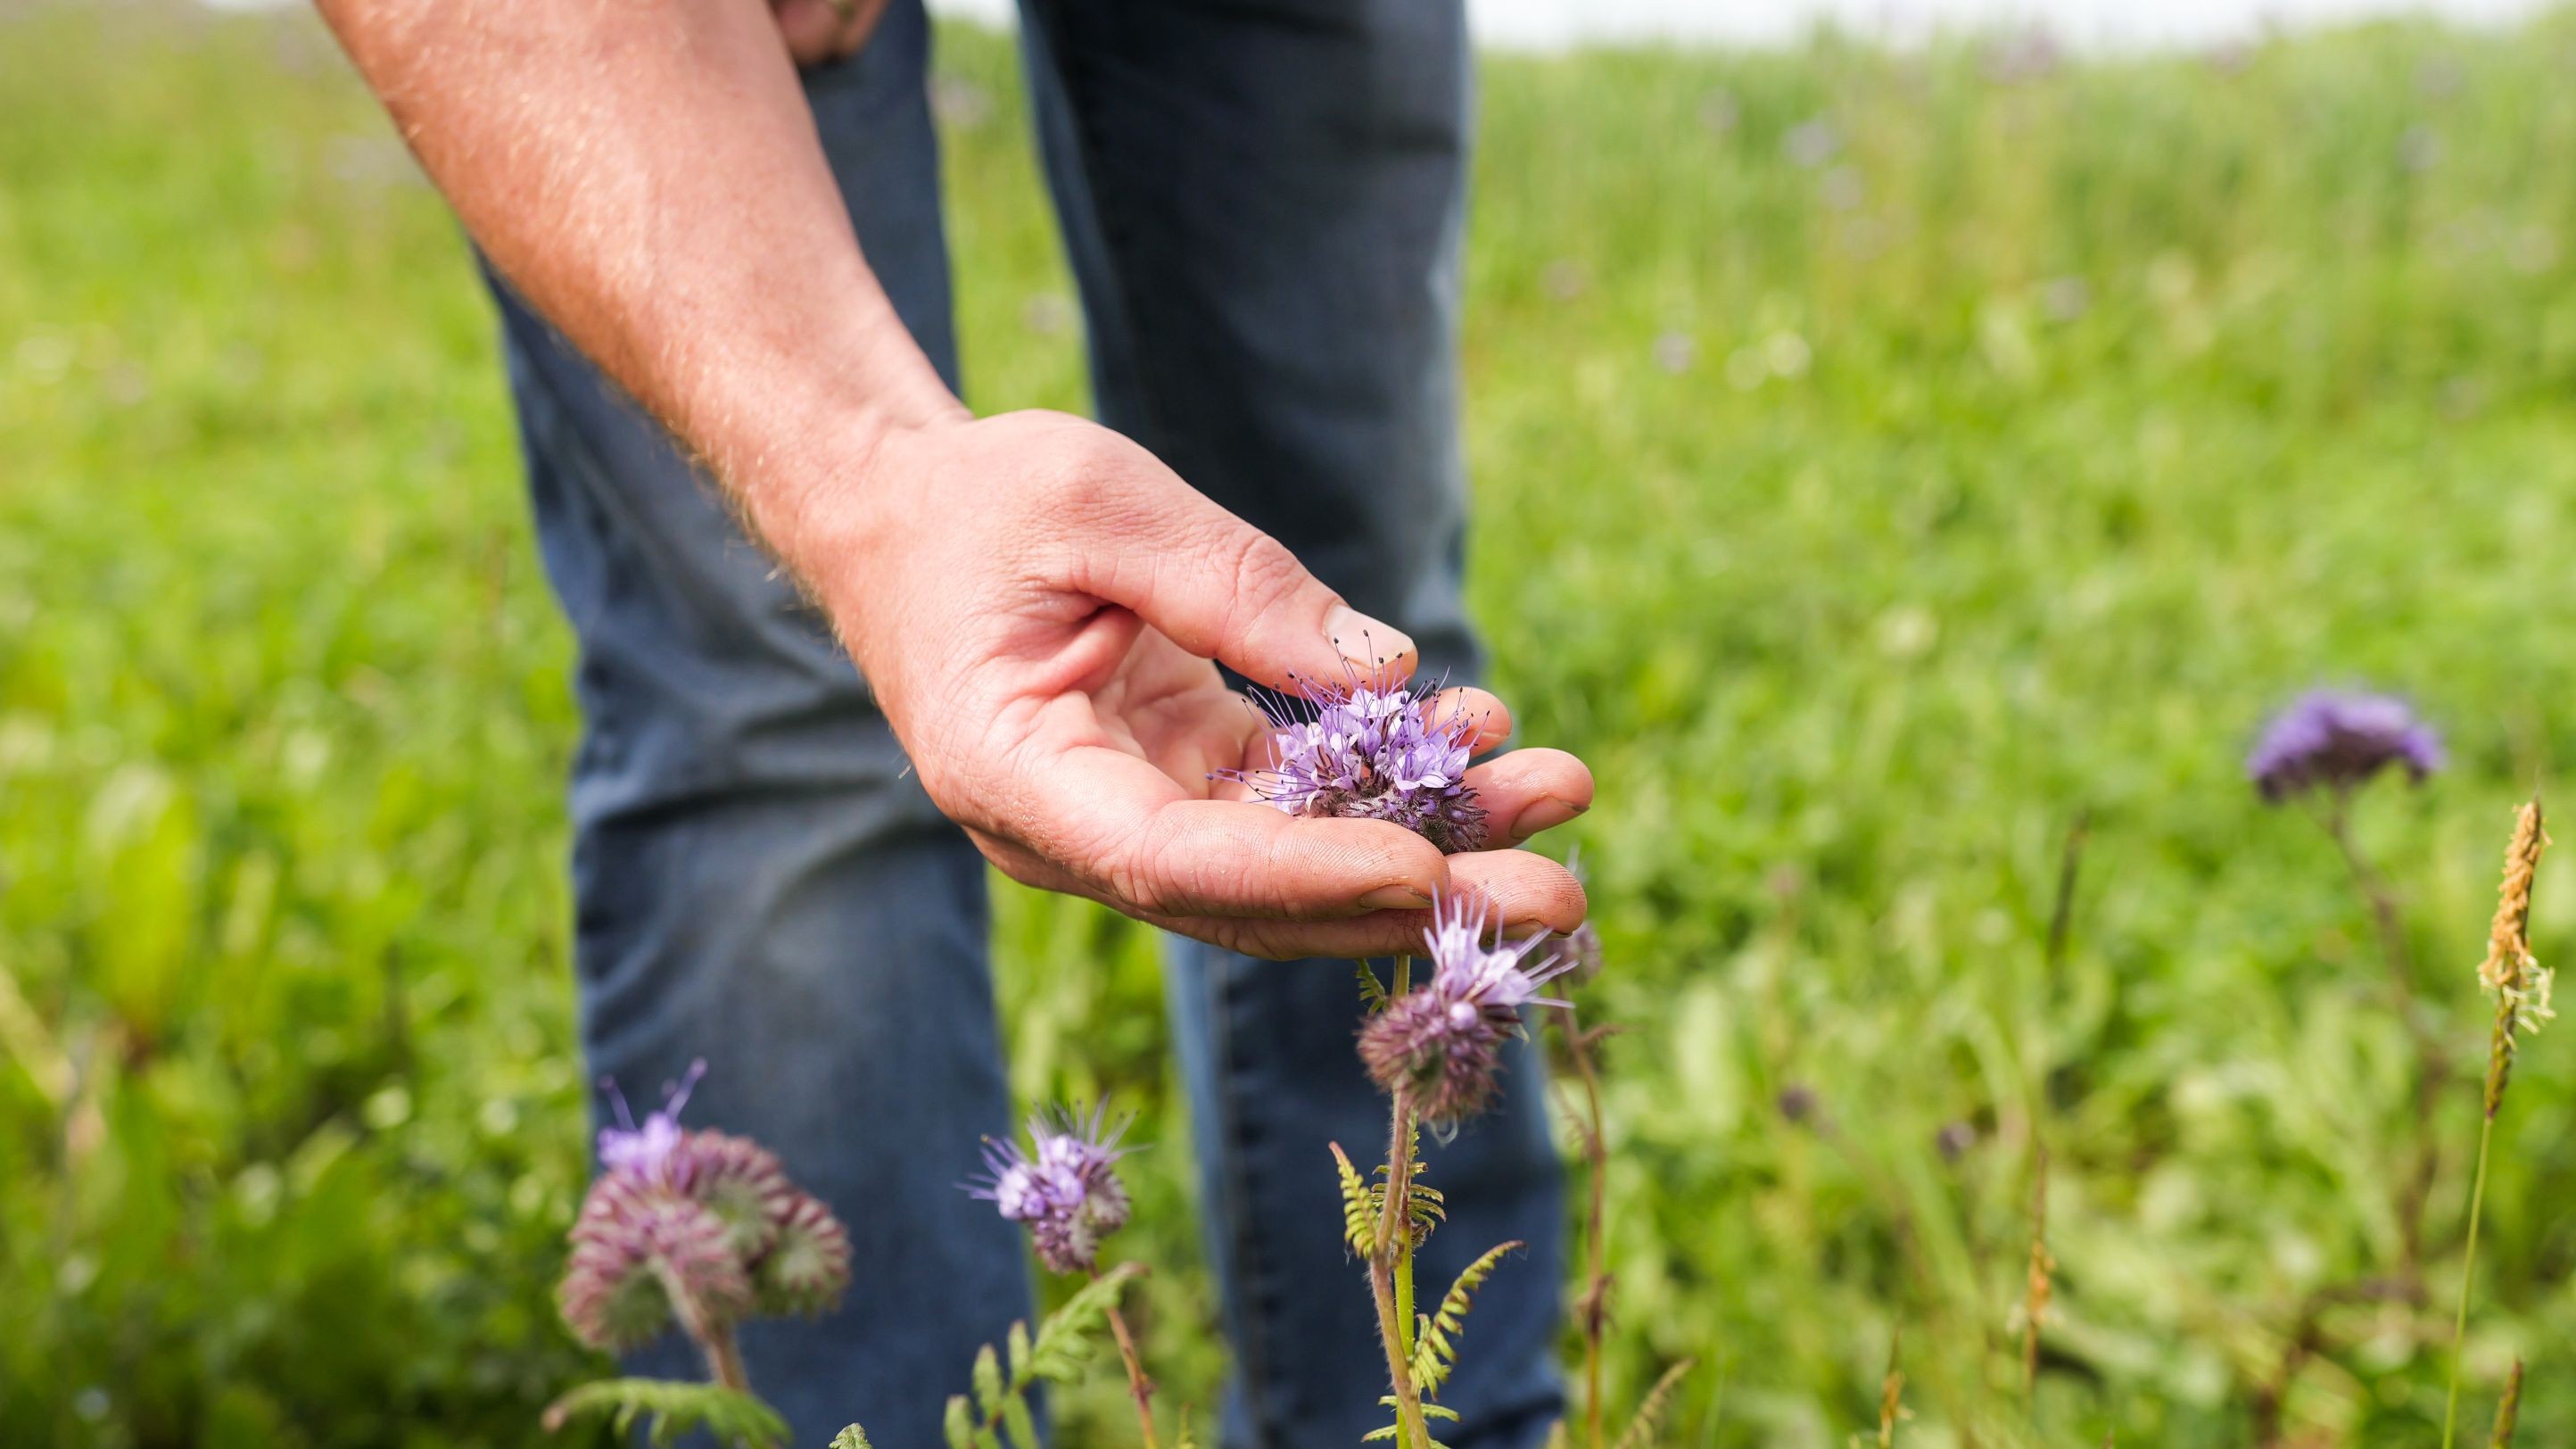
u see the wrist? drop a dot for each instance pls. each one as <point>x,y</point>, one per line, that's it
<point>816,492</point>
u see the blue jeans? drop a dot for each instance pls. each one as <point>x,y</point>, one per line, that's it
<point>1263,201</point>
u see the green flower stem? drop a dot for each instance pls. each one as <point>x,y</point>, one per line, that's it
<point>1139,1387</point>
<point>2468,1271</point>
<point>1391,1266</point>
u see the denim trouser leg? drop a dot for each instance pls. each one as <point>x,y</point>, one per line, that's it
<point>1263,201</point>
<point>757,879</point>
<point>1264,206</point>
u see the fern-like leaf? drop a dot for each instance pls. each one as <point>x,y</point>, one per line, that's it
<point>1650,1410</point>
<point>1429,1411</point>
<point>1435,1344</point>
<point>999,1408</point>
<point>1359,1206</point>
<point>1372,990</point>
<point>670,1408</point>
<point>852,1437</point>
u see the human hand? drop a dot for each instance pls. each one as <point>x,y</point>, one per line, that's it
<point>823,30</point>
<point>1035,601</point>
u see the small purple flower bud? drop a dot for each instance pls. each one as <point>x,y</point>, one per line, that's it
<point>1798,1103</point>
<point>1065,1188</point>
<point>2339,739</point>
<point>1368,750</point>
<point>1440,1046</point>
<point>1953,1141</point>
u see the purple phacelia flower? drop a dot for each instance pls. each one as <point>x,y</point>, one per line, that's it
<point>1440,1045</point>
<point>1371,750</point>
<point>645,1151</point>
<point>2339,739</point>
<point>700,1226</point>
<point>1064,1188</point>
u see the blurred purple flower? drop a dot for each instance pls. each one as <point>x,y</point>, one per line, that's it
<point>1798,1102</point>
<point>642,1255</point>
<point>1440,1046</point>
<point>646,1150</point>
<point>700,1226</point>
<point>2340,739</point>
<point>1065,1188</point>
<point>1366,751</point>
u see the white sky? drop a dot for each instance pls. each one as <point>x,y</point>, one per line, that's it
<point>2089,23</point>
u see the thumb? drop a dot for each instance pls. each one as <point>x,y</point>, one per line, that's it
<point>1224,590</point>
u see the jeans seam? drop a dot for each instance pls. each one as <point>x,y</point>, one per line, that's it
<point>1116,241</point>
<point>1243,1245</point>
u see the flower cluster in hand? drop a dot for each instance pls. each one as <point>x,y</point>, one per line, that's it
<point>1372,751</point>
<point>2338,739</point>
<point>701,1227</point>
<point>1064,1188</point>
<point>1439,1046</point>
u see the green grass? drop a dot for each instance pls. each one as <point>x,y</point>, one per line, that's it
<point>1860,521</point>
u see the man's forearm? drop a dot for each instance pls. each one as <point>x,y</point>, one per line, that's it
<point>647,175</point>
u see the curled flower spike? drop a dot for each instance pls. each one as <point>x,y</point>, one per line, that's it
<point>2339,739</point>
<point>702,1227</point>
<point>1064,1188</point>
<point>1368,750</point>
<point>1440,1045</point>
<point>640,1256</point>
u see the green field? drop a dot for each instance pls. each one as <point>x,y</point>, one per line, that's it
<point>1881,459</point>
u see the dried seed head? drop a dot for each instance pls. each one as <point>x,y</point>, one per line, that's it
<point>2520,983</point>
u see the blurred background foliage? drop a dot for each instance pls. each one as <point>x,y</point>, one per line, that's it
<point>1882,460</point>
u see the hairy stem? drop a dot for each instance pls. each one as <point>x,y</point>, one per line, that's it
<point>2468,1272</point>
<point>724,1358</point>
<point>1139,1387</point>
<point>1391,1266</point>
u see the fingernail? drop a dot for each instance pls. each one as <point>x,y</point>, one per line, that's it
<point>1394,898</point>
<point>1369,645</point>
<point>1547,814</point>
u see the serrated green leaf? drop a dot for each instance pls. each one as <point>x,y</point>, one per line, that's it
<point>1435,1350</point>
<point>1359,1206</point>
<point>1019,1422</point>
<point>1650,1410</point>
<point>852,1437</point>
<point>1018,1344</point>
<point>988,1382</point>
<point>669,1408</point>
<point>1372,990</point>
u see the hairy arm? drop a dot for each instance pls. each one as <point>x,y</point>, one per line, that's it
<point>1034,599</point>
<point>647,175</point>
